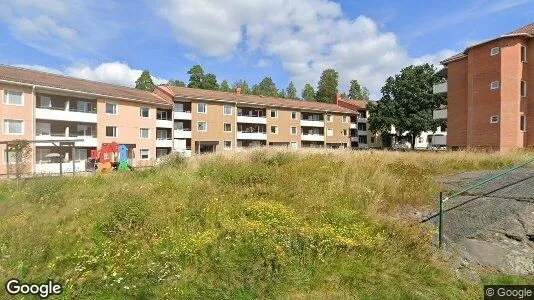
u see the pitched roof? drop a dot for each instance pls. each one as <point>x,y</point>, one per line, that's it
<point>528,29</point>
<point>456,56</point>
<point>190,93</point>
<point>48,80</point>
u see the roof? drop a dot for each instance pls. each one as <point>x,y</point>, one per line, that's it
<point>527,30</point>
<point>190,93</point>
<point>48,80</point>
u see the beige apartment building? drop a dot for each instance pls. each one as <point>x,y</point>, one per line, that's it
<point>50,110</point>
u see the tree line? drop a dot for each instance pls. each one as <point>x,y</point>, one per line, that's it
<point>327,87</point>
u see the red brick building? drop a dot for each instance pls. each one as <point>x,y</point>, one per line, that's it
<point>489,103</point>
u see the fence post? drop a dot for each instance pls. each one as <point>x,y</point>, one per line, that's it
<point>440,226</point>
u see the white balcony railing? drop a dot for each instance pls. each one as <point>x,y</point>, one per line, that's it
<point>65,115</point>
<point>251,136</point>
<point>309,123</point>
<point>164,123</point>
<point>362,120</point>
<point>160,143</point>
<point>312,137</point>
<point>354,139</point>
<point>362,132</point>
<point>88,141</point>
<point>251,120</point>
<point>353,125</point>
<point>182,115</point>
<point>440,88</point>
<point>53,168</point>
<point>182,134</point>
<point>440,114</point>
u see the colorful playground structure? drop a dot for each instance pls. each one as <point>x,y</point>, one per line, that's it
<point>111,157</point>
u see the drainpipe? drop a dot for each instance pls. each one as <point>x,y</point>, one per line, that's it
<point>33,157</point>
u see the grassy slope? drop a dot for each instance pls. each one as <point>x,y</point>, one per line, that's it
<point>257,225</point>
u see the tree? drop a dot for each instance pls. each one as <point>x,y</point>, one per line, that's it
<point>225,87</point>
<point>282,93</point>
<point>407,103</point>
<point>144,82</point>
<point>365,94</point>
<point>20,152</point>
<point>176,83</point>
<point>291,91</point>
<point>266,87</point>
<point>355,90</point>
<point>245,89</point>
<point>209,82</point>
<point>327,87</point>
<point>308,93</point>
<point>196,75</point>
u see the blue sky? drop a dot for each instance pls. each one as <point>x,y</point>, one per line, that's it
<point>294,40</point>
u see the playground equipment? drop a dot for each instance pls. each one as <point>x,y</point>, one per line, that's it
<point>110,157</point>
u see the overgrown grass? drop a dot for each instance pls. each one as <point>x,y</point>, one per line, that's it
<point>253,225</point>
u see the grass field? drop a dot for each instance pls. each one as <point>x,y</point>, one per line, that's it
<point>251,225</point>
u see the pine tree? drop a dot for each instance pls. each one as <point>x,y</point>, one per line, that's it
<point>144,82</point>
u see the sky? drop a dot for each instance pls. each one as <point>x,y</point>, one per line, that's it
<point>291,40</point>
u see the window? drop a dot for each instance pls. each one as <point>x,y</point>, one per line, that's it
<point>83,130</point>
<point>12,157</point>
<point>160,152</point>
<point>45,128</point>
<point>294,145</point>
<point>144,154</point>
<point>274,129</point>
<point>328,118</point>
<point>111,108</point>
<point>162,134</point>
<point>274,113</point>
<point>144,133</point>
<point>227,110</point>
<point>345,132</point>
<point>202,126</point>
<point>494,85</point>
<point>494,51</point>
<point>14,127</point>
<point>13,98</point>
<point>344,119</point>
<point>227,145</point>
<point>178,107</point>
<point>144,112</point>
<point>80,154</point>
<point>293,130</point>
<point>227,127</point>
<point>45,102</point>
<point>330,132</point>
<point>494,119</point>
<point>523,123</point>
<point>202,108</point>
<point>84,106</point>
<point>362,126</point>
<point>294,115</point>
<point>40,155</point>
<point>362,139</point>
<point>523,88</point>
<point>178,125</point>
<point>111,131</point>
<point>523,54</point>
<point>372,140</point>
<point>161,115</point>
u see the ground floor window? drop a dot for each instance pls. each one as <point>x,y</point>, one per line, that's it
<point>80,154</point>
<point>227,145</point>
<point>42,155</point>
<point>144,154</point>
<point>160,152</point>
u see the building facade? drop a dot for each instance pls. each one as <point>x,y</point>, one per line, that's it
<point>489,105</point>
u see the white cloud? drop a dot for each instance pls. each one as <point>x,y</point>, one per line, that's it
<point>262,63</point>
<point>307,36</point>
<point>112,72</point>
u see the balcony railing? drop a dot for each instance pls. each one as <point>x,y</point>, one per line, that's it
<point>88,111</point>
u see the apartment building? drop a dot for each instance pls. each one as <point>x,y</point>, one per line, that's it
<point>47,109</point>
<point>209,121</point>
<point>489,104</point>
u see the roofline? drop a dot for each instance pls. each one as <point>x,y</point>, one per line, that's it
<point>82,92</point>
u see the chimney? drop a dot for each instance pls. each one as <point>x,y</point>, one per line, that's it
<point>238,90</point>
<point>337,98</point>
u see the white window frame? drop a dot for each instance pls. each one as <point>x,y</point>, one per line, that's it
<point>225,147</point>
<point>141,133</point>
<point>12,160</point>
<point>330,132</point>
<point>294,113</point>
<point>116,108</point>
<point>523,123</point>
<point>523,54</point>
<point>141,154</point>
<point>294,145</point>
<point>205,108</point>
<point>224,110</point>
<point>224,127</point>
<point>494,119</point>
<point>329,118</point>
<point>275,113</point>
<point>6,128</point>
<point>271,129</point>
<point>495,51</point>
<point>495,85</point>
<point>523,86</point>
<point>48,98</point>
<point>205,127</point>
<point>6,98</point>
<point>116,132</point>
<point>344,119</point>
<point>141,112</point>
<point>291,130</point>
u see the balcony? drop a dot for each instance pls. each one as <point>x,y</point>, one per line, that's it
<point>362,132</point>
<point>354,139</point>
<point>311,123</point>
<point>353,125</point>
<point>164,143</point>
<point>53,168</point>
<point>440,114</point>
<point>88,141</point>
<point>164,123</point>
<point>312,137</point>
<point>251,136</point>
<point>182,115</point>
<point>362,120</point>
<point>59,114</point>
<point>182,134</point>
<point>440,88</point>
<point>251,120</point>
